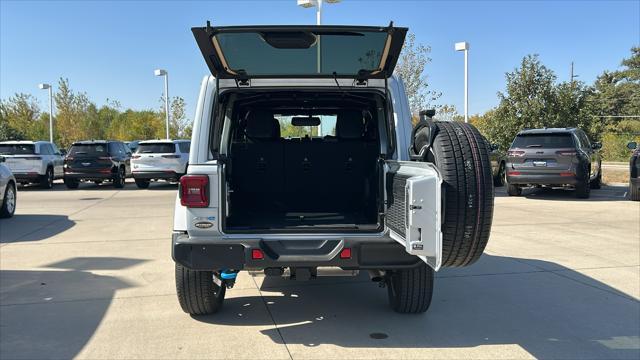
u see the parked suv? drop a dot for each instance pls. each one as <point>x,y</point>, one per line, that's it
<point>554,157</point>
<point>265,190</point>
<point>159,160</point>
<point>97,161</point>
<point>8,193</point>
<point>634,171</point>
<point>33,161</point>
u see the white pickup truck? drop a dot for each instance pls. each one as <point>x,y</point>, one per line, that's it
<point>304,162</point>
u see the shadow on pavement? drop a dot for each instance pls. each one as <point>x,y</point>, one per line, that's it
<point>606,193</point>
<point>129,185</point>
<point>560,314</point>
<point>54,313</point>
<point>30,227</point>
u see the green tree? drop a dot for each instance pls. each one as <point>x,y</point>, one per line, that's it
<point>20,118</point>
<point>72,121</point>
<point>411,64</point>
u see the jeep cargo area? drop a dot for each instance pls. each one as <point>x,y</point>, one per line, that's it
<point>304,162</point>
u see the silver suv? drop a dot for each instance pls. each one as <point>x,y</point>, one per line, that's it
<point>33,161</point>
<point>159,160</point>
<point>304,162</point>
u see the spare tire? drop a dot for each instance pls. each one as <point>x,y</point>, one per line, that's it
<point>461,154</point>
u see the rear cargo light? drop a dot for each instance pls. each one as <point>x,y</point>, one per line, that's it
<point>345,253</point>
<point>514,173</point>
<point>566,153</point>
<point>257,254</point>
<point>515,153</point>
<point>567,174</point>
<point>193,191</point>
<point>171,156</point>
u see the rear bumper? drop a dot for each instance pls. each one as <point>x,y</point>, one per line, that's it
<point>541,179</point>
<point>147,175</point>
<point>26,177</point>
<point>366,253</point>
<point>93,176</point>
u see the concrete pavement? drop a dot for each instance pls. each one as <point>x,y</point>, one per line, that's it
<point>88,274</point>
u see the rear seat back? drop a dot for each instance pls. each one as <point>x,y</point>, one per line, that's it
<point>258,158</point>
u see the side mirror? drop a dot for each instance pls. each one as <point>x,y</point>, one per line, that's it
<point>632,145</point>
<point>596,145</point>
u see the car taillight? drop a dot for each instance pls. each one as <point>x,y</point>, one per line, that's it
<point>515,153</point>
<point>514,173</point>
<point>194,191</point>
<point>566,153</point>
<point>567,174</point>
<point>104,158</point>
<point>171,156</point>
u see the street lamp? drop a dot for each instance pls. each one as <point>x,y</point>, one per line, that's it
<point>318,5</point>
<point>50,88</point>
<point>161,72</point>
<point>464,46</point>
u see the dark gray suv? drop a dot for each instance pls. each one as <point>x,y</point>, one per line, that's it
<point>553,157</point>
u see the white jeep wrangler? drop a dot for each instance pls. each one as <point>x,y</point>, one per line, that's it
<point>304,162</point>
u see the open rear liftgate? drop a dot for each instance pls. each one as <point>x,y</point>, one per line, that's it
<point>414,204</point>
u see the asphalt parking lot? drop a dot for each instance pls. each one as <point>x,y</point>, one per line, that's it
<point>88,274</point>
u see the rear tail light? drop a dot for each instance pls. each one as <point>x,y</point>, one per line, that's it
<point>566,153</point>
<point>104,158</point>
<point>171,156</point>
<point>515,153</point>
<point>193,191</point>
<point>514,173</point>
<point>567,174</point>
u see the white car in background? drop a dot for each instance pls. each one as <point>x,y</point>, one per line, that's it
<point>159,160</point>
<point>33,161</point>
<point>7,191</point>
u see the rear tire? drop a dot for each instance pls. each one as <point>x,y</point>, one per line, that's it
<point>597,182</point>
<point>583,189</point>
<point>410,290</point>
<point>46,180</point>
<point>634,191</point>
<point>9,201</point>
<point>462,156</point>
<point>514,190</point>
<point>142,184</point>
<point>119,178</point>
<point>71,183</point>
<point>498,180</point>
<point>197,293</point>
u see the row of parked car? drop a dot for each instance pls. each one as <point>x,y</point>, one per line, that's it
<point>556,157</point>
<point>97,161</point>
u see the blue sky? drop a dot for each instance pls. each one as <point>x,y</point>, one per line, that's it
<point>110,48</point>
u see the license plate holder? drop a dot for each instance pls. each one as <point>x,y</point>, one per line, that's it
<point>540,163</point>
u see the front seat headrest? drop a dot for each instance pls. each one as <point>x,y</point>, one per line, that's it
<point>260,125</point>
<point>349,124</point>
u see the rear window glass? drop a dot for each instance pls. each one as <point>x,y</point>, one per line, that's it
<point>343,53</point>
<point>288,130</point>
<point>156,148</point>
<point>17,149</point>
<point>551,141</point>
<point>89,149</point>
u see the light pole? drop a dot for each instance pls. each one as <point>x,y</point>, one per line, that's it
<point>50,88</point>
<point>318,6</point>
<point>161,72</point>
<point>464,46</point>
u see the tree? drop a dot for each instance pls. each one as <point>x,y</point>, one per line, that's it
<point>448,113</point>
<point>71,115</point>
<point>413,59</point>
<point>20,118</point>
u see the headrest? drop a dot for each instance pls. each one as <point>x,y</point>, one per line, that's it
<point>349,125</point>
<point>262,125</point>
